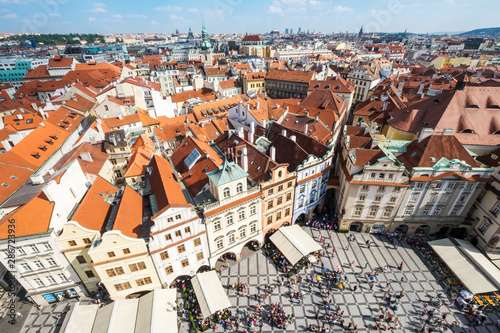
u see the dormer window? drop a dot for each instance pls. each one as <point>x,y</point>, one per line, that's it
<point>44,148</point>
<point>226,192</point>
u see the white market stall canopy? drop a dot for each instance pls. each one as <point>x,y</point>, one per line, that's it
<point>152,313</point>
<point>209,293</point>
<point>475,271</point>
<point>294,243</point>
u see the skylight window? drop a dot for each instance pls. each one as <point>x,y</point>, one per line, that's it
<point>191,159</point>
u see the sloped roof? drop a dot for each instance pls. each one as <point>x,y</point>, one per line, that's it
<point>286,75</point>
<point>93,211</point>
<point>226,173</point>
<point>129,216</point>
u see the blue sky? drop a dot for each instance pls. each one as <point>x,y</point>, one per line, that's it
<point>252,16</point>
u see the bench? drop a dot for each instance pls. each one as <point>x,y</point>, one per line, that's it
<point>478,301</point>
<point>489,300</point>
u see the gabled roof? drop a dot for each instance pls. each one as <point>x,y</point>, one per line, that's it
<point>60,62</point>
<point>335,84</point>
<point>12,177</point>
<point>40,72</point>
<point>428,152</point>
<point>309,145</point>
<point>94,167</point>
<point>227,172</point>
<point>196,177</point>
<point>129,215</point>
<point>38,211</point>
<point>164,185</point>
<point>286,75</point>
<point>229,84</point>
<point>26,103</point>
<point>93,211</point>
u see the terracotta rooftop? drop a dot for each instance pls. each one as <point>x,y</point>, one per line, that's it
<point>93,211</point>
<point>96,153</point>
<point>129,216</point>
<point>286,75</point>
<point>60,62</point>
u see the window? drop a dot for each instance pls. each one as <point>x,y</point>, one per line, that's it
<point>381,188</point>
<point>46,246</point>
<point>496,209</point>
<point>89,274</point>
<point>86,241</point>
<point>126,251</point>
<point>314,183</point>
<point>185,262</point>
<point>397,189</point>
<point>118,287</point>
<point>462,198</point>
<point>231,238</point>
<point>197,242</point>
<point>301,203</point>
<point>270,191</point>
<point>38,264</point>
<point>199,256</point>
<point>253,228</point>
<point>436,211</point>
<point>455,211</point>
<point>217,225</point>
<point>168,237</point>
<point>469,186</point>
<point>187,230</point>
<point>219,243</point>
<point>381,176</point>
<point>439,185</point>
<point>52,280</point>
<point>390,176</point>
<point>226,192</point>
<point>26,267</point>
<point>169,270</point>
<point>444,197</point>
<point>287,212</point>
<point>51,262</point>
<point>111,272</point>
<point>409,210</point>
<point>357,211</point>
<point>229,220</point>
<point>170,219</point>
<point>362,198</point>
<point>126,285</point>
<point>433,198</point>
<point>241,215</point>
<point>278,216</point>
<point>289,185</point>
<point>413,197</point>
<point>239,188</point>
<point>387,212</point>
<point>483,227</point>
<point>419,185</point>
<point>378,198</point>
<point>270,204</point>
<point>289,196</point>
<point>72,243</point>
<point>372,212</point>
<point>177,233</point>
<point>393,199</point>
<point>269,219</point>
<point>426,211</point>
<point>38,282</point>
<point>372,175</point>
<point>181,248</point>
<point>21,251</point>
<point>62,277</point>
<point>81,259</point>
<point>302,188</point>
<point>111,254</point>
<point>365,187</point>
<point>164,255</point>
<point>280,188</point>
<point>243,233</point>
<point>119,270</point>
<point>253,210</point>
<point>279,201</point>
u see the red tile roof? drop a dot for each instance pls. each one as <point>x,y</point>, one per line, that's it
<point>286,75</point>
<point>129,216</point>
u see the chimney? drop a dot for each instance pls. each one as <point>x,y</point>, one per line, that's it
<point>448,131</point>
<point>86,156</point>
<point>258,105</point>
<point>263,123</point>
<point>6,144</point>
<point>293,138</point>
<point>99,129</point>
<point>306,113</point>
<point>120,116</point>
<point>306,128</point>
<point>248,107</point>
<point>252,127</point>
<point>113,139</point>
<point>283,132</point>
<point>421,88</point>
<point>43,114</point>
<point>50,189</point>
<point>272,153</point>
<point>426,132</point>
<point>42,124</point>
<point>36,179</point>
<point>244,159</point>
<point>241,132</point>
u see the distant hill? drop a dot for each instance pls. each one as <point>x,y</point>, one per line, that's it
<point>482,32</point>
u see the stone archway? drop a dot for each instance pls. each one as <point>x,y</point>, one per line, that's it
<point>225,260</point>
<point>401,229</point>
<point>301,219</point>
<point>356,226</point>
<point>423,229</point>
<point>443,232</point>
<point>137,294</point>
<point>377,228</point>
<point>249,248</point>
<point>203,268</point>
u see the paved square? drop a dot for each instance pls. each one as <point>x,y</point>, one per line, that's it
<point>361,306</point>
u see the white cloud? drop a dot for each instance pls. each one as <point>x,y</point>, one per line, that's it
<point>193,10</point>
<point>295,10</point>
<point>137,16</point>
<point>117,16</point>
<point>91,19</point>
<point>9,16</point>
<point>169,8</point>
<point>293,2</point>
<point>98,10</point>
<point>99,4</point>
<point>316,3</point>
<point>174,17</point>
<point>341,9</point>
<point>54,14</point>
<point>275,9</point>
<point>153,22</point>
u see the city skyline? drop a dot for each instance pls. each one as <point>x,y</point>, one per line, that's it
<point>228,16</point>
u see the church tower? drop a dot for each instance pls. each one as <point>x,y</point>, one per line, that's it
<point>360,34</point>
<point>206,47</point>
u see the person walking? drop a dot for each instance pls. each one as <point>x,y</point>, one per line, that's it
<point>401,266</point>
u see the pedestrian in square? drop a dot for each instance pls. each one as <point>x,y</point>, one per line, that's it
<point>401,266</point>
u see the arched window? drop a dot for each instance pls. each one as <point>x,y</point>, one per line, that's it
<point>226,192</point>
<point>280,173</point>
<point>239,188</point>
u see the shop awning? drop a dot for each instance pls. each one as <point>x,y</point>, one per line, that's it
<point>294,243</point>
<point>80,319</point>
<point>461,258</point>
<point>209,293</point>
<point>154,312</point>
